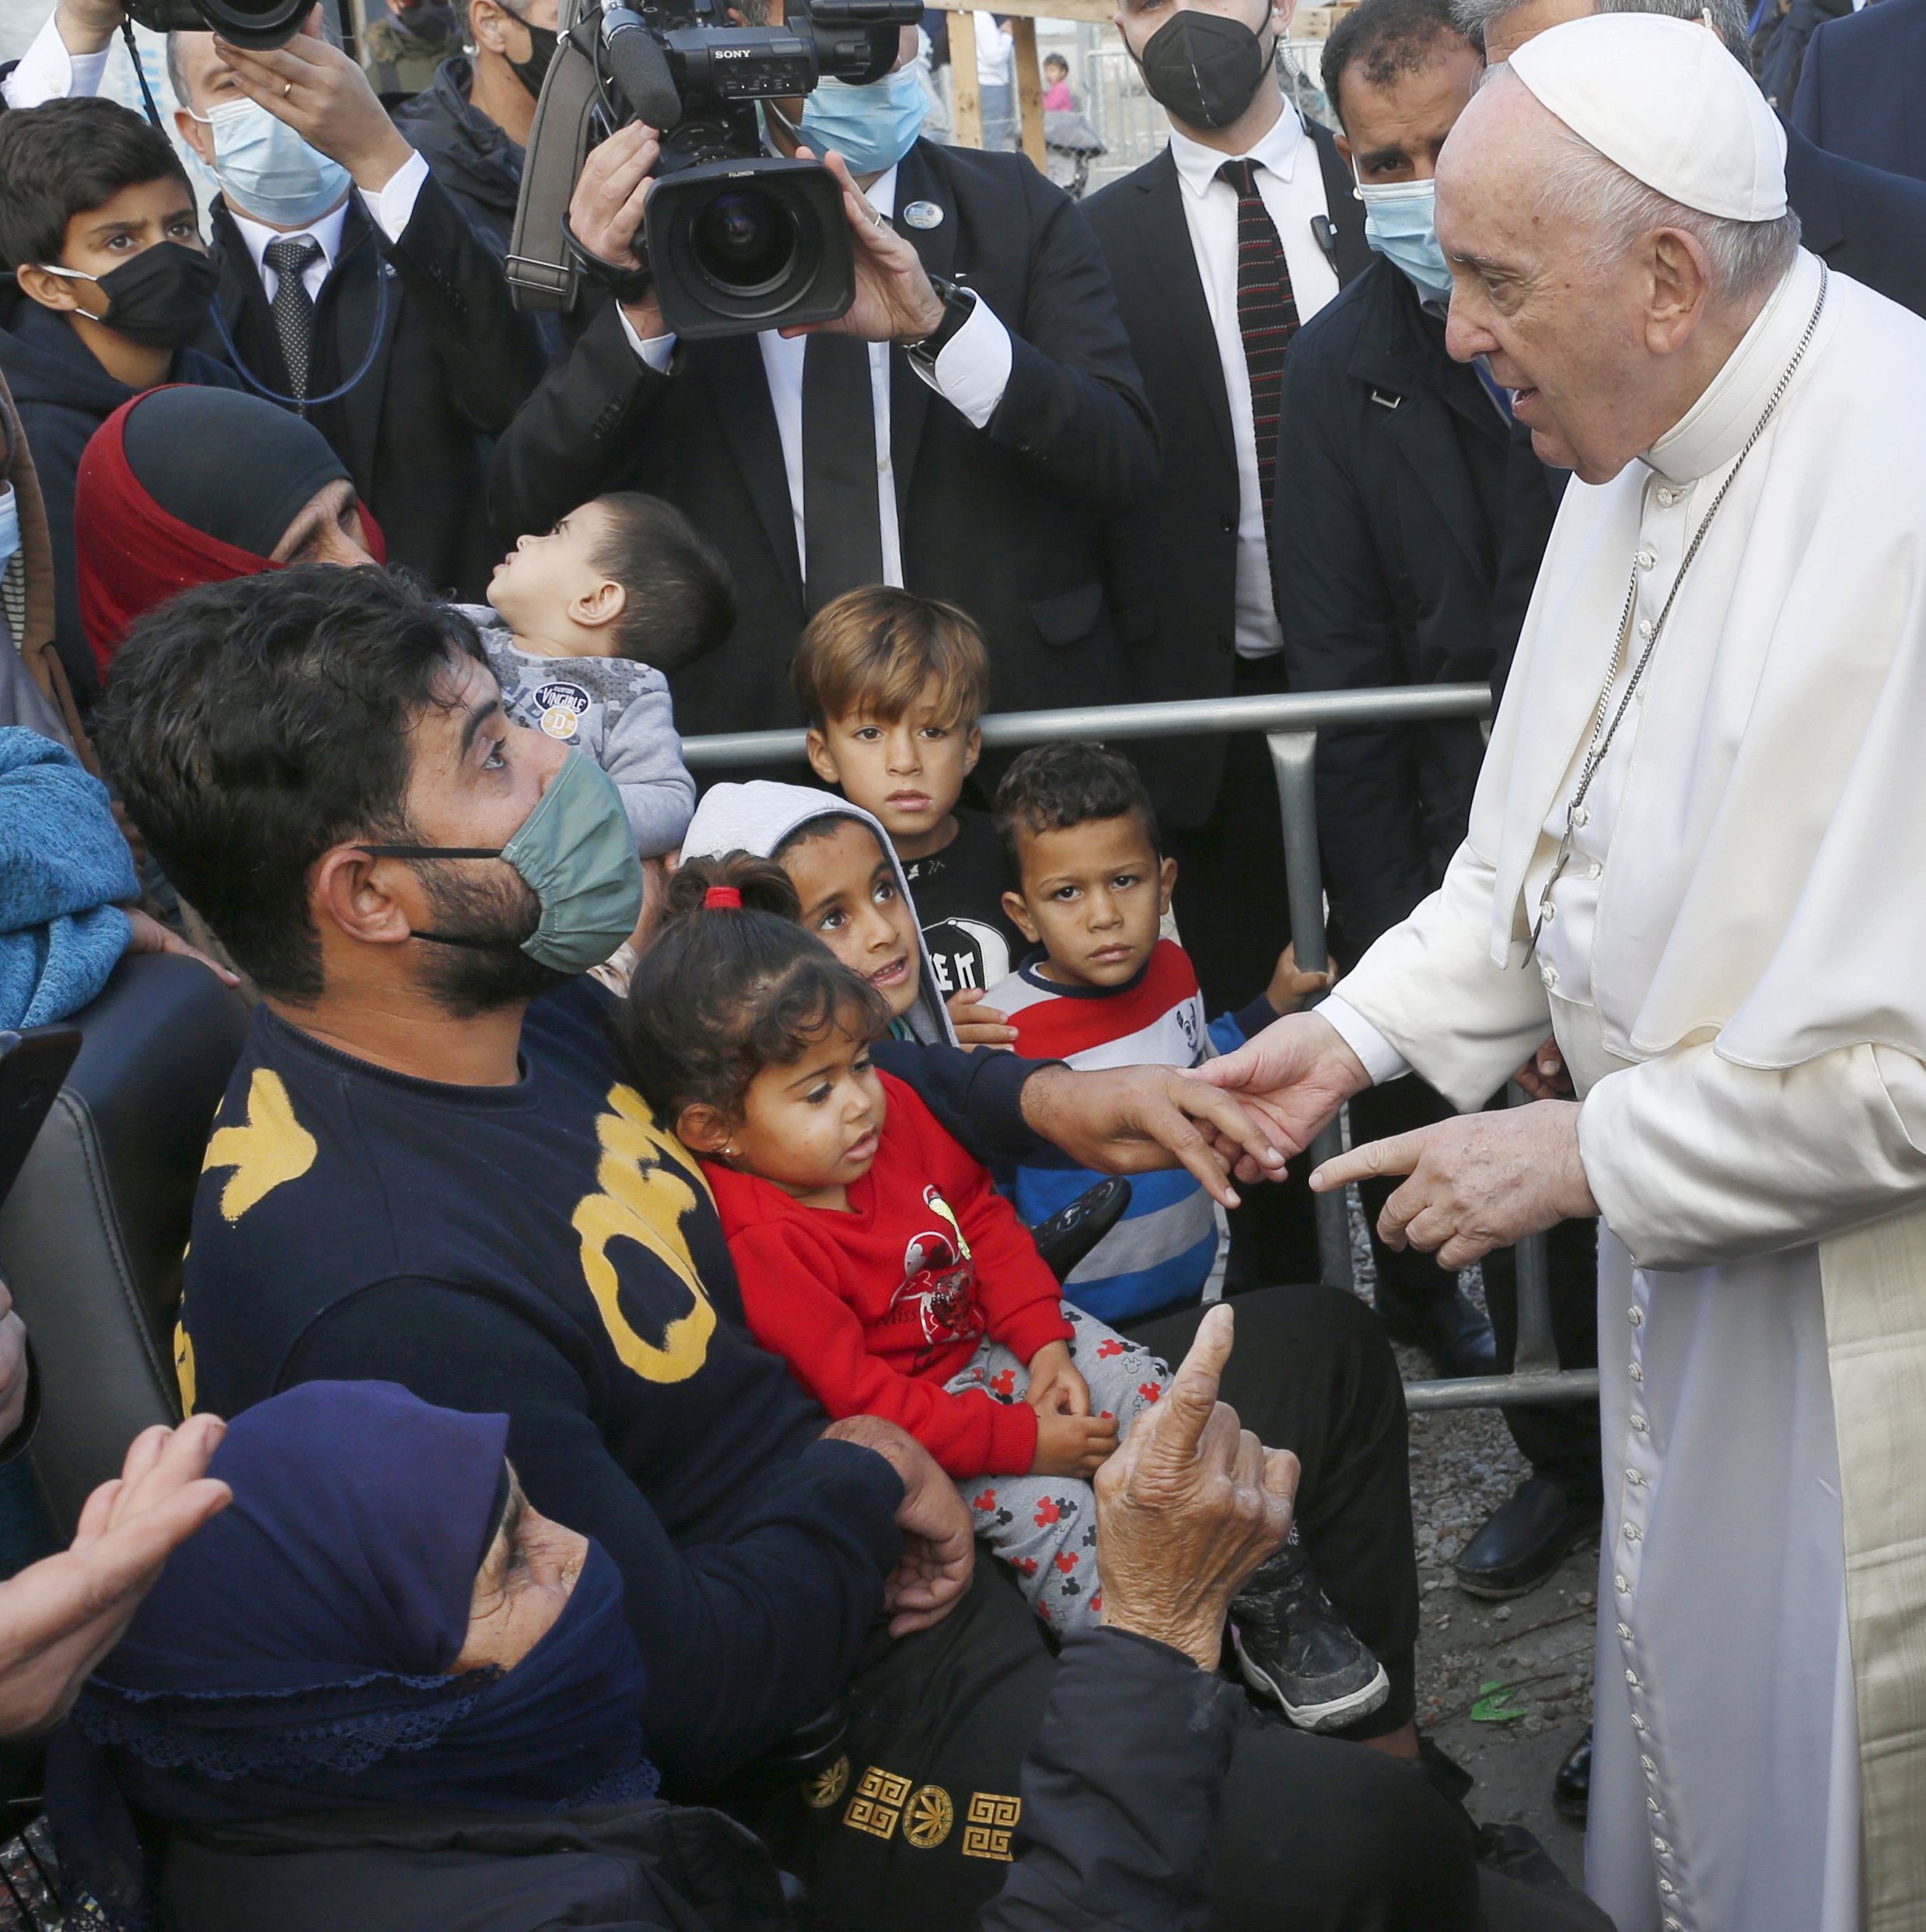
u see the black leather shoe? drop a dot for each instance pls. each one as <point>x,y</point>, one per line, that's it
<point>1525,1539</point>
<point>1571,1789</point>
<point>1450,1329</point>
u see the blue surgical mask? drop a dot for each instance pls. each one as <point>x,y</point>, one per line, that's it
<point>267,171</point>
<point>9,525</point>
<point>871,127</point>
<point>1401,224</point>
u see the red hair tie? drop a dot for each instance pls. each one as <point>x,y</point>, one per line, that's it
<point>721,897</point>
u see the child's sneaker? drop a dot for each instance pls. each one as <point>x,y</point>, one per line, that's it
<point>1295,1650</point>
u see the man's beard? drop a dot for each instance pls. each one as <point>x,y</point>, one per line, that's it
<point>494,914</point>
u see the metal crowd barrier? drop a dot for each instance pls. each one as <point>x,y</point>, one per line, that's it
<point>1290,723</point>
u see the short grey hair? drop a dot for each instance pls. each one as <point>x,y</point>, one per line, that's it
<point>1731,21</point>
<point>1582,185</point>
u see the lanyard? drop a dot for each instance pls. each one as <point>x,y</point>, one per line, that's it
<point>1603,732</point>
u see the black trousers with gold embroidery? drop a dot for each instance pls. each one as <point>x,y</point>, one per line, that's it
<point>912,1832</point>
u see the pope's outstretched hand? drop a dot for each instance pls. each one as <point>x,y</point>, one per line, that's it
<point>1295,1075</point>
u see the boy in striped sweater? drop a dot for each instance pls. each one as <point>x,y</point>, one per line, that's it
<point>1102,989</point>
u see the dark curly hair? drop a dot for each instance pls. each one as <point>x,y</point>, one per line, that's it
<point>723,992</point>
<point>1051,788</point>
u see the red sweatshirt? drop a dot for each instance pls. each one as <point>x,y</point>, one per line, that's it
<point>875,1309</point>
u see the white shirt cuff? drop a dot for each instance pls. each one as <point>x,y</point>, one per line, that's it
<point>1382,1061</point>
<point>393,206</point>
<point>974,370</point>
<point>655,351</point>
<point>48,72</point>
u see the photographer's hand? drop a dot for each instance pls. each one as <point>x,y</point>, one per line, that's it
<point>894,300</point>
<point>88,26</point>
<point>606,210</point>
<point>326,99</point>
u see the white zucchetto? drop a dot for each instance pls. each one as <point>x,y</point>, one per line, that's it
<point>1663,99</point>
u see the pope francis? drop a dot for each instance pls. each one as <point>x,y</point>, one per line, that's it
<point>1691,859</point>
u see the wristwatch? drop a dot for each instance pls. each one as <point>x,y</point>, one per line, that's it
<point>959,304</point>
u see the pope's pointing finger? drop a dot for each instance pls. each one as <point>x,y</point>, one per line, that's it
<point>1398,1156</point>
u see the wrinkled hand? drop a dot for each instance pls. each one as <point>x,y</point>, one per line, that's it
<point>87,26</point>
<point>1291,990</point>
<point>1189,1506</point>
<point>606,210</point>
<point>1055,1386</point>
<point>1295,1075</point>
<point>1479,1182</point>
<point>59,1618</point>
<point>147,935</point>
<point>1073,1445</point>
<point>326,99</point>
<point>1544,1076</point>
<point>894,300</point>
<point>975,1024</point>
<point>14,1370</point>
<point>939,1545</point>
<point>1133,1119</point>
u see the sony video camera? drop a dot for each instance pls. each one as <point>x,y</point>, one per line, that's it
<point>734,240</point>
<point>257,23</point>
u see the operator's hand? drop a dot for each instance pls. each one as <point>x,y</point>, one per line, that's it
<point>1055,1386</point>
<point>326,99</point>
<point>1294,1076</point>
<point>894,300</point>
<point>88,26</point>
<point>59,1618</point>
<point>606,210</point>
<point>975,1024</point>
<point>1291,990</point>
<point>940,1544</point>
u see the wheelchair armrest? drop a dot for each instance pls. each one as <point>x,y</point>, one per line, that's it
<point>1074,1230</point>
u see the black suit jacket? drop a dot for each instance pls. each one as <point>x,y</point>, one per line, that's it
<point>454,363</point>
<point>1389,531</point>
<point>1174,566</point>
<point>1864,222</point>
<point>1863,92</point>
<point>1006,521</point>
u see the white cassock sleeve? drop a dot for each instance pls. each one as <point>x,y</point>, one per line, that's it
<point>1429,987</point>
<point>1695,1161</point>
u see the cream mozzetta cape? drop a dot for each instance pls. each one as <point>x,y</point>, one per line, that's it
<point>1764,891</point>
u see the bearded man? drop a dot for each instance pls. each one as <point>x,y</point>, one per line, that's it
<point>1684,858</point>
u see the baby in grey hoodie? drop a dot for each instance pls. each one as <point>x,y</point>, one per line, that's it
<point>581,626</point>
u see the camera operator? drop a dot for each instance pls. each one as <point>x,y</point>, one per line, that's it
<point>377,316</point>
<point>966,430</point>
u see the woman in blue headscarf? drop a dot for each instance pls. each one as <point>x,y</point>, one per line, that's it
<point>379,1691</point>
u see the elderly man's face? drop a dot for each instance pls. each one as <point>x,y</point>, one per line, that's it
<point>1506,36</point>
<point>1565,335</point>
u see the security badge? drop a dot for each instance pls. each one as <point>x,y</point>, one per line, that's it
<point>923,215</point>
<point>560,709</point>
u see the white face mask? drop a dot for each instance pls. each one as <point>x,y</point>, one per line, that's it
<point>267,171</point>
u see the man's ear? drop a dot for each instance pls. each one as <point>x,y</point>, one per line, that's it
<point>486,28</point>
<point>1166,884</point>
<point>972,750</point>
<point>702,1127</point>
<point>1680,286</point>
<point>197,134</point>
<point>595,609</point>
<point>1019,913</point>
<point>1343,146</point>
<point>375,902</point>
<point>822,759</point>
<point>51,291</point>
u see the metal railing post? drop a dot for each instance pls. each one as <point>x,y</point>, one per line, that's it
<point>1294,759</point>
<point>1537,1352</point>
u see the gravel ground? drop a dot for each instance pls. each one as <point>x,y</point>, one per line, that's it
<point>1505,1688</point>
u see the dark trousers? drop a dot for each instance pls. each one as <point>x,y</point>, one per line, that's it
<point>1560,1442</point>
<point>1235,918</point>
<point>1316,1834</point>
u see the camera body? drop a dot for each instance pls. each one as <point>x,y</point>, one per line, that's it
<point>736,240</point>
<point>268,23</point>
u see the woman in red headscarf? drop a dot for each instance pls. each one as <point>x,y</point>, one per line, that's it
<point>185,485</point>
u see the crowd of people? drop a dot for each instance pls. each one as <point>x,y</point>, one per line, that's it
<point>686,1424</point>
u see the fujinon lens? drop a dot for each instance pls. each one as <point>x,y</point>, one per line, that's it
<point>743,241</point>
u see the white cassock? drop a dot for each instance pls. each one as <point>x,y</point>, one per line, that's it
<point>1735,971</point>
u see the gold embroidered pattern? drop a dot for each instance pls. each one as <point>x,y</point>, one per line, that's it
<point>826,1786</point>
<point>648,1184</point>
<point>269,1147</point>
<point>928,1818</point>
<point>988,1823</point>
<point>878,1803</point>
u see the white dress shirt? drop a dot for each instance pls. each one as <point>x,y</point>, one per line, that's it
<point>1292,185</point>
<point>971,374</point>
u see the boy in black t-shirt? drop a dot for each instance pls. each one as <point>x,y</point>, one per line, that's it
<point>892,685</point>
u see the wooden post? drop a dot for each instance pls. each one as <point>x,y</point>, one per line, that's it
<point>1029,89</point>
<point>968,116</point>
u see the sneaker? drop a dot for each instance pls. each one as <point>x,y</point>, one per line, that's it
<point>1296,1651</point>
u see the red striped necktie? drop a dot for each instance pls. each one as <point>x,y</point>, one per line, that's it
<point>1267,316</point>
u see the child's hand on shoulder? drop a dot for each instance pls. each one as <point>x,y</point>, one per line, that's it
<point>977,1025</point>
<point>1290,991</point>
<point>1056,1388</point>
<point>1073,1445</point>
